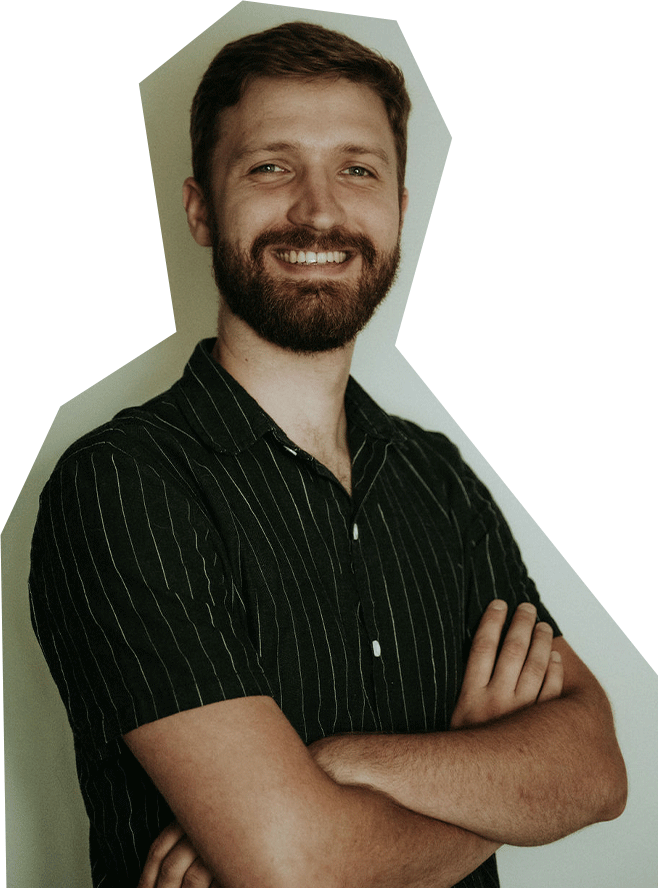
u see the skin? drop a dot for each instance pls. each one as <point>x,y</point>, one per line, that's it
<point>276,164</point>
<point>511,771</point>
<point>272,168</point>
<point>527,672</point>
<point>532,753</point>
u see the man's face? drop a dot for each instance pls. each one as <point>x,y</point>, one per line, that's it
<point>306,212</point>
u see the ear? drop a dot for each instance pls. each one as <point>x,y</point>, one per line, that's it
<point>197,212</point>
<point>404,203</point>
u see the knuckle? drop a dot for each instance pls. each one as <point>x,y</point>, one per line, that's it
<point>481,644</point>
<point>532,679</point>
<point>494,703</point>
<point>197,876</point>
<point>169,868</point>
<point>516,647</point>
<point>536,671</point>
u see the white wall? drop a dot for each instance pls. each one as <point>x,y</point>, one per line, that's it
<point>522,259</point>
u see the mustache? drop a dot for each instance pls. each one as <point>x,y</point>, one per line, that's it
<point>322,242</point>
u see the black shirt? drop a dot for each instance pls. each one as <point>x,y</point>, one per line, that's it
<point>188,552</point>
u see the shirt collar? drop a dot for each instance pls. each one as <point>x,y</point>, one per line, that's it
<point>225,415</point>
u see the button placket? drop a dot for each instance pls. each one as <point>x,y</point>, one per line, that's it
<point>374,644</point>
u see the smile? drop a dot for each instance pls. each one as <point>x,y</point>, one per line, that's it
<point>309,257</point>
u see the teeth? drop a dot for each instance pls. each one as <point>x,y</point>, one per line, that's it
<point>309,257</point>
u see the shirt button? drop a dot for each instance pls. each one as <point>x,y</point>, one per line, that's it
<point>376,648</point>
<point>355,531</point>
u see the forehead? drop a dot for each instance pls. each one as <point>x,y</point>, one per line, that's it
<point>319,114</point>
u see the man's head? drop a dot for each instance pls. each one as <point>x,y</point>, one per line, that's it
<point>299,143</point>
<point>292,50</point>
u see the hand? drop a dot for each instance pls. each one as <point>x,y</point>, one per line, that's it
<point>526,671</point>
<point>173,862</point>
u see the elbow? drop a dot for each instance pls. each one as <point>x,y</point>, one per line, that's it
<point>283,868</point>
<point>298,854</point>
<point>609,788</point>
<point>303,871</point>
<point>617,789</point>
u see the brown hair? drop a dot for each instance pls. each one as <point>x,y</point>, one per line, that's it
<point>295,49</point>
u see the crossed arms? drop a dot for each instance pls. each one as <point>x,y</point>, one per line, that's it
<point>531,756</point>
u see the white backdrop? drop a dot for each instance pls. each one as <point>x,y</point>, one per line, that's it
<point>542,245</point>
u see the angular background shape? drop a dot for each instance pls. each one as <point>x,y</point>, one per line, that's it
<point>45,817</point>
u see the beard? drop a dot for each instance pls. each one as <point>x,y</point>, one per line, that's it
<point>303,316</point>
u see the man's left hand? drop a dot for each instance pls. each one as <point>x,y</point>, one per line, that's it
<point>526,670</point>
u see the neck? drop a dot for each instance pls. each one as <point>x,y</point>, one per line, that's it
<point>303,393</point>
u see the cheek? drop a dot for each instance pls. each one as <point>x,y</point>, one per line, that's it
<point>387,235</point>
<point>247,218</point>
<point>380,219</point>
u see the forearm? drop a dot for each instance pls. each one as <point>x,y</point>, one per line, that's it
<point>369,841</point>
<point>528,778</point>
<point>338,836</point>
<point>373,841</point>
<point>274,819</point>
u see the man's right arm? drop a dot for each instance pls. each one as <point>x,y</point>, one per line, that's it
<point>378,830</point>
<point>260,811</point>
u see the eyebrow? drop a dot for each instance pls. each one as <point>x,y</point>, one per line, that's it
<point>367,149</point>
<point>275,147</point>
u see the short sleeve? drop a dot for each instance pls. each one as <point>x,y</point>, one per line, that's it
<point>132,600</point>
<point>494,566</point>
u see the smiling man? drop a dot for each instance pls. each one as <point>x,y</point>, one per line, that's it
<point>294,635</point>
<point>305,287</point>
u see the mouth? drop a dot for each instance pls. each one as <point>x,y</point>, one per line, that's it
<point>310,257</point>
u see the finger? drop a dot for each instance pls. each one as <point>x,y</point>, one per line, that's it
<point>515,647</point>
<point>536,665</point>
<point>482,656</point>
<point>198,876</point>
<point>169,836</point>
<point>175,865</point>
<point>554,678</point>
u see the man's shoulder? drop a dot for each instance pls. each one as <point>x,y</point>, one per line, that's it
<point>430,454</point>
<point>160,435</point>
<point>193,413</point>
<point>135,431</point>
<point>431,447</point>
<point>427,439</point>
<point>437,460</point>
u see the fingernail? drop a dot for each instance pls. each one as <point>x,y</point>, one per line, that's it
<point>556,657</point>
<point>526,606</point>
<point>498,604</point>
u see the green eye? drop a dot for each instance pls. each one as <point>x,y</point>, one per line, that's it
<point>268,168</point>
<point>358,171</point>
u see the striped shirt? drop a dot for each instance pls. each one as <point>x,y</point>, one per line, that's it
<point>189,552</point>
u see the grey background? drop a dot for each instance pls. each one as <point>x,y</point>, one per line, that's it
<point>46,824</point>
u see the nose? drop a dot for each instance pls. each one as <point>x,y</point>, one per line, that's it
<point>316,203</point>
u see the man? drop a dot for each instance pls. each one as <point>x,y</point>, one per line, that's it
<point>275,613</point>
